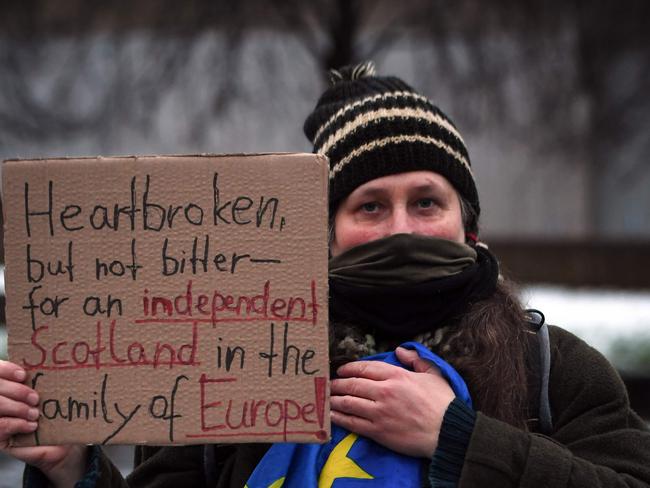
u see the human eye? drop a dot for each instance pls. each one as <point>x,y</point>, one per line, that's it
<point>426,203</point>
<point>369,207</point>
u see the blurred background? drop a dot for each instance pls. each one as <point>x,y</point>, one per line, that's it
<point>550,96</point>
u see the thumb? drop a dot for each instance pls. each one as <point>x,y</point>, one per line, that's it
<point>413,361</point>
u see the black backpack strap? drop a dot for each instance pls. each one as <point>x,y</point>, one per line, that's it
<point>535,319</point>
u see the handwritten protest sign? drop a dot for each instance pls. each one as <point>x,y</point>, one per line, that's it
<point>170,299</point>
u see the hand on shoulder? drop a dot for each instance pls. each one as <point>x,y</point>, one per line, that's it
<point>400,409</point>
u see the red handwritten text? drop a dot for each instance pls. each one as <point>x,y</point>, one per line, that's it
<point>220,306</point>
<point>97,354</point>
<point>251,417</point>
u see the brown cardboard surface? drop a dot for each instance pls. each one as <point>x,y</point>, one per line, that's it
<point>170,299</point>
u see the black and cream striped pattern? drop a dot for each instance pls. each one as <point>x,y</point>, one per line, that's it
<point>371,126</point>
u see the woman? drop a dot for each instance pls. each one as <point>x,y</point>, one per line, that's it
<point>406,265</point>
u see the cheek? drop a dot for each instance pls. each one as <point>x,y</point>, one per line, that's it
<point>451,234</point>
<point>349,236</point>
<point>449,228</point>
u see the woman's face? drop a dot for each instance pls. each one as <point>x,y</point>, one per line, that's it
<point>416,202</point>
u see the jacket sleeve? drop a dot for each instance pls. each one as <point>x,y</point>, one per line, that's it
<point>597,440</point>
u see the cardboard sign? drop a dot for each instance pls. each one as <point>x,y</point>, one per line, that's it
<point>164,300</point>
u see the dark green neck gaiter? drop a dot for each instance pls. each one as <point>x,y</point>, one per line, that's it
<point>407,284</point>
<point>401,259</point>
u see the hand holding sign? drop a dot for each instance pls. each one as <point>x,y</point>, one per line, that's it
<point>63,465</point>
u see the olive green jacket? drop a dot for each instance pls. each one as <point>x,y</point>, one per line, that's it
<point>597,440</point>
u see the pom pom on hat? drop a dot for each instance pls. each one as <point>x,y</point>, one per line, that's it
<point>352,72</point>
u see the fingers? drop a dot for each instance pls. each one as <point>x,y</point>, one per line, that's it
<point>355,406</point>
<point>358,387</point>
<point>353,396</point>
<point>12,408</point>
<point>400,409</point>
<point>10,426</point>
<point>372,370</point>
<point>18,414</point>
<point>16,400</point>
<point>18,392</point>
<point>11,371</point>
<point>412,360</point>
<point>354,424</point>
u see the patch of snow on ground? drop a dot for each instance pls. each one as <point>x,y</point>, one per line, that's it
<point>600,317</point>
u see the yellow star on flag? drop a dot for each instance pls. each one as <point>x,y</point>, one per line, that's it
<point>339,465</point>
<point>275,484</point>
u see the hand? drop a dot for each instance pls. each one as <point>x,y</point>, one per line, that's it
<point>400,409</point>
<point>63,465</point>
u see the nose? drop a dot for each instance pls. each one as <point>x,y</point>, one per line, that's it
<point>400,222</point>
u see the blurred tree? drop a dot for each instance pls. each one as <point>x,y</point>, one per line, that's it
<point>569,80</point>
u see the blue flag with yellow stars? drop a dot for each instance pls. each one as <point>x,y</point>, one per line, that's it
<point>348,460</point>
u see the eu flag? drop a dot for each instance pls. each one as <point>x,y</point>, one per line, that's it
<point>348,460</point>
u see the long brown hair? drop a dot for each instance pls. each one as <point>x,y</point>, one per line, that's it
<point>489,348</point>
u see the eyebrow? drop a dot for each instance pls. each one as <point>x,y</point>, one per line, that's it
<point>430,185</point>
<point>371,192</point>
<point>423,187</point>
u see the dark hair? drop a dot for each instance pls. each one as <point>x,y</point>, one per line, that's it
<point>468,216</point>
<point>489,348</point>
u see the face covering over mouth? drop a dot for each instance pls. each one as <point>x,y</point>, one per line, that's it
<point>407,284</point>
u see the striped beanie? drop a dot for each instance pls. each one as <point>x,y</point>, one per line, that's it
<point>370,126</point>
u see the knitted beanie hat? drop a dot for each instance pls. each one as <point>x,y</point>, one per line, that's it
<point>370,126</point>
